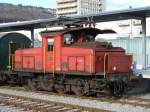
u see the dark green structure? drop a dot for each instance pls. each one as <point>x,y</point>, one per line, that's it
<point>8,44</point>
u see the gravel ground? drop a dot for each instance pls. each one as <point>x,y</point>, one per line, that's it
<point>4,108</point>
<point>144,96</point>
<point>76,101</point>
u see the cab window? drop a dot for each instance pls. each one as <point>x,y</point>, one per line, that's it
<point>89,38</point>
<point>50,44</point>
<point>68,38</point>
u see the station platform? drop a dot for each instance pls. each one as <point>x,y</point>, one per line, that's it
<point>144,73</point>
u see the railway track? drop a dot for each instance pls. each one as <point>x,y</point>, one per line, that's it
<point>135,102</point>
<point>128,100</point>
<point>38,105</point>
<point>123,102</point>
<point>35,105</point>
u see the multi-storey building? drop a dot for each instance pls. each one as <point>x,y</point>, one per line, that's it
<point>79,7</point>
<point>130,28</point>
<point>52,11</point>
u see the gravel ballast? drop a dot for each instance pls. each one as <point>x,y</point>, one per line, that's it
<point>117,107</point>
<point>4,108</point>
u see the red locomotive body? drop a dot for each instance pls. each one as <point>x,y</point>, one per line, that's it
<point>74,52</point>
<point>76,57</point>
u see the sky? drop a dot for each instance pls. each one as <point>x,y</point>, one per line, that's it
<point>125,4</point>
<point>111,4</point>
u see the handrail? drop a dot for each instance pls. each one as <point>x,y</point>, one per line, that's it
<point>12,62</point>
<point>9,57</point>
<point>106,54</point>
<point>90,63</point>
<point>44,58</point>
<point>53,61</point>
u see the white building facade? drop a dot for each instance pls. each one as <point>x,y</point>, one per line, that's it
<point>79,7</point>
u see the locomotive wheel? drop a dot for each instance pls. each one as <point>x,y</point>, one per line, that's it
<point>43,84</point>
<point>32,84</point>
<point>80,88</point>
<point>77,90</point>
<point>117,88</point>
<point>46,86</point>
<point>60,88</point>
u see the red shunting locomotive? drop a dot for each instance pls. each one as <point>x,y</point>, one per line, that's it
<point>71,60</point>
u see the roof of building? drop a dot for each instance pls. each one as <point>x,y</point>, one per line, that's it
<point>131,13</point>
<point>136,13</point>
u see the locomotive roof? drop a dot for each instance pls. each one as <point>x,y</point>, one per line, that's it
<point>74,30</point>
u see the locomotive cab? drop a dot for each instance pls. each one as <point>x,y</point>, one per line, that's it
<point>99,58</point>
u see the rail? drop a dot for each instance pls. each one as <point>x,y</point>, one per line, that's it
<point>41,105</point>
<point>125,102</point>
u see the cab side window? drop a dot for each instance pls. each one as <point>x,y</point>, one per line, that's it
<point>89,38</point>
<point>50,44</point>
<point>68,38</point>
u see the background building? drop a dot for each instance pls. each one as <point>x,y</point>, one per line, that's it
<point>129,36</point>
<point>79,7</point>
<point>130,28</point>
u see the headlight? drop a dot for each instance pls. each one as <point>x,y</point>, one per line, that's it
<point>114,68</point>
<point>131,67</point>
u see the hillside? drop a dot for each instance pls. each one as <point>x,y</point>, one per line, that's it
<point>11,13</point>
